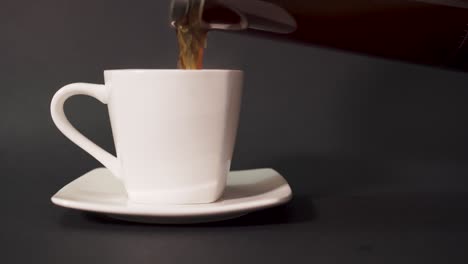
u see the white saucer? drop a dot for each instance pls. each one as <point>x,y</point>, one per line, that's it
<point>246,191</point>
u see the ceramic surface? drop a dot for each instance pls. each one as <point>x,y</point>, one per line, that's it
<point>246,191</point>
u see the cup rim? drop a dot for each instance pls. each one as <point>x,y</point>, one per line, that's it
<point>170,70</point>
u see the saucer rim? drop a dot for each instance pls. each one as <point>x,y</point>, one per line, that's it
<point>174,210</point>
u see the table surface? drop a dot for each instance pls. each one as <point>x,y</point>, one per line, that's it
<point>344,227</point>
<point>376,152</point>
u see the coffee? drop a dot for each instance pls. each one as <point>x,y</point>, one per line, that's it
<point>191,37</point>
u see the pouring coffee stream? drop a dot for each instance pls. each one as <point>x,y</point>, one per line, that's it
<point>192,20</point>
<point>428,32</point>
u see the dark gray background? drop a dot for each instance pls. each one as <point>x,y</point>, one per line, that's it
<point>376,151</point>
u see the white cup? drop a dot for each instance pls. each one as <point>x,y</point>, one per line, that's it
<point>174,130</point>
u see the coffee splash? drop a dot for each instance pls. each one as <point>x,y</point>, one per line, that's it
<point>191,37</point>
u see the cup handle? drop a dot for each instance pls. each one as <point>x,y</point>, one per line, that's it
<point>97,91</point>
